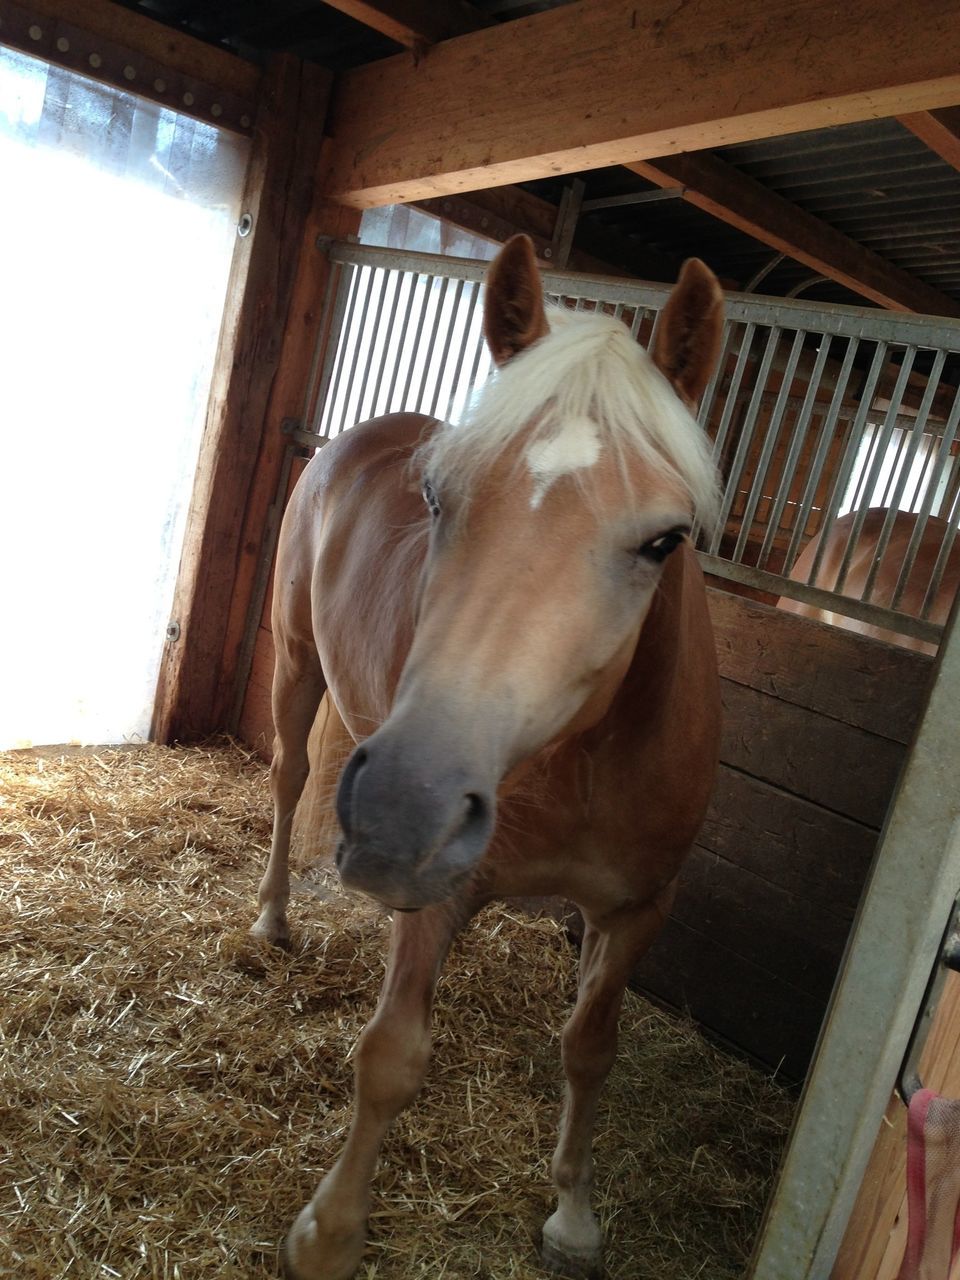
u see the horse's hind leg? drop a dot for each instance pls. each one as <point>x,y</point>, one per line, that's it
<point>326,1241</point>
<point>298,686</point>
<point>572,1241</point>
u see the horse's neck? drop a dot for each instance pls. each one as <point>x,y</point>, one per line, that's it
<point>673,670</point>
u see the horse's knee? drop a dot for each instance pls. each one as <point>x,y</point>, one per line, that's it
<point>390,1064</point>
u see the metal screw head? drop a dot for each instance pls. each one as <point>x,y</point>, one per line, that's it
<point>173,631</point>
<point>245,225</point>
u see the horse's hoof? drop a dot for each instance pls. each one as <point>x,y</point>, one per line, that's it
<point>269,929</point>
<point>307,1257</point>
<point>572,1266</point>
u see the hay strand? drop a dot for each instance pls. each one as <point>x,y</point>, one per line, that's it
<point>170,1091</point>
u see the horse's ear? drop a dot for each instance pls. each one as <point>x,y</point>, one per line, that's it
<point>690,330</point>
<point>513,315</point>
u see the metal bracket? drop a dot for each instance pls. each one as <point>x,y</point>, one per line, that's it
<point>909,1082</point>
<point>294,428</point>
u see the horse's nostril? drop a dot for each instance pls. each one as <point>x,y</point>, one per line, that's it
<point>351,770</point>
<point>340,851</point>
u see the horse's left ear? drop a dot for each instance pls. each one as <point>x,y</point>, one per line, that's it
<point>513,315</point>
<point>690,330</point>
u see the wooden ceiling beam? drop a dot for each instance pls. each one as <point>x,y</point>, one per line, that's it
<point>721,190</point>
<point>603,82</point>
<point>144,35</point>
<point>414,23</point>
<point>940,130</point>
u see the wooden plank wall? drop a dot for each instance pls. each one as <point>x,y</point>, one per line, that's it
<point>816,722</point>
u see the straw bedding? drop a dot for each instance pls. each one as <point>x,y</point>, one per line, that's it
<point>170,1092</point>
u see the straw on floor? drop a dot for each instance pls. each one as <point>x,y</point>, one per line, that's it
<point>170,1091</point>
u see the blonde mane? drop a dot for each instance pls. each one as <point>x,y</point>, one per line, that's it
<point>587,366</point>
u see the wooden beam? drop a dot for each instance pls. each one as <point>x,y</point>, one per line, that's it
<point>716,187</point>
<point>603,82</point>
<point>414,23</point>
<point>184,53</point>
<point>280,192</point>
<point>940,130</point>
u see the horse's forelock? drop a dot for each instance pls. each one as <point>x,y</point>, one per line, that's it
<point>588,366</point>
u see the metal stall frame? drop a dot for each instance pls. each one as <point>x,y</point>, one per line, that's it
<point>747,316</point>
<point>895,945</point>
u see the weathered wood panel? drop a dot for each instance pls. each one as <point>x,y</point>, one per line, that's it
<point>279,193</point>
<point>819,667</point>
<point>815,855</point>
<point>790,938</point>
<point>737,1002</point>
<point>836,765</point>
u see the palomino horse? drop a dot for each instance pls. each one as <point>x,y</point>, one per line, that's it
<point>515,604</point>
<point>887,575</point>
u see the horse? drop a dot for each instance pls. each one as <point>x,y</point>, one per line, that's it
<point>887,574</point>
<point>509,619</point>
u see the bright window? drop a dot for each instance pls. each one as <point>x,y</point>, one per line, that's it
<point>118,223</point>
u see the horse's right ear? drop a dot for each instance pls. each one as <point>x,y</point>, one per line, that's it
<point>513,315</point>
<point>690,331</point>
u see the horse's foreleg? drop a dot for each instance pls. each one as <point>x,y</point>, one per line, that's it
<point>326,1241</point>
<point>572,1240</point>
<point>298,686</point>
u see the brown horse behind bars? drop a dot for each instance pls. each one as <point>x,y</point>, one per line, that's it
<point>886,566</point>
<point>514,608</point>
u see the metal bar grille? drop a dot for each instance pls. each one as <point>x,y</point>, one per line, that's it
<point>817,413</point>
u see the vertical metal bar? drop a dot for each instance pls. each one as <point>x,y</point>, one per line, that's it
<point>801,426</point>
<point>895,466</point>
<point>706,400</point>
<point>411,279</point>
<point>939,568</point>
<point>334,347</point>
<point>850,452</point>
<point>355,336</point>
<point>388,348</point>
<point>889,423</point>
<point>343,319</point>
<point>942,457</point>
<point>451,325</point>
<point>464,346</point>
<point>824,444</point>
<point>746,434</point>
<point>768,447</point>
<point>892,950</point>
<point>655,328</point>
<point>427,281</point>
<point>428,356</point>
<point>903,465</point>
<point>635,324</point>
<point>363,400</point>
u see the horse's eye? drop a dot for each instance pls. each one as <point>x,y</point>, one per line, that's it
<point>657,549</point>
<point>431,499</point>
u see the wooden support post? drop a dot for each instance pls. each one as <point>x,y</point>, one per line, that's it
<point>271,303</point>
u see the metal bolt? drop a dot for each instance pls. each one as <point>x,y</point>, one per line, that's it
<point>173,631</point>
<point>548,252</point>
<point>245,225</point>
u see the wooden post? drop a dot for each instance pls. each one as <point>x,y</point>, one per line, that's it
<point>260,368</point>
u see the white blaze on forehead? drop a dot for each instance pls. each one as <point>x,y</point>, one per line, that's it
<point>576,445</point>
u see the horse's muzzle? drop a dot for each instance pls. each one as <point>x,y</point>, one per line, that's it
<point>415,818</point>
